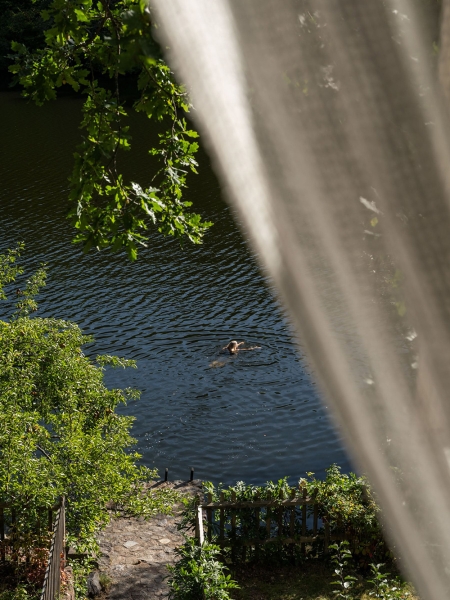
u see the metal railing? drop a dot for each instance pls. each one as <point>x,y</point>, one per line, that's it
<point>52,581</point>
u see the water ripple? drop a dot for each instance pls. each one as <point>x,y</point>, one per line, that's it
<point>254,416</point>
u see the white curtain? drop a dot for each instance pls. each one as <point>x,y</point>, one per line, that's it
<point>330,133</point>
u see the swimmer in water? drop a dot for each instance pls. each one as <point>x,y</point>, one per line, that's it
<point>233,347</point>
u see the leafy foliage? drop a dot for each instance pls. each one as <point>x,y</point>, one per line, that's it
<point>80,571</point>
<point>344,502</point>
<point>349,573</point>
<point>243,492</point>
<point>198,574</point>
<point>347,504</point>
<point>21,21</point>
<point>92,46</point>
<point>8,269</point>
<point>386,587</point>
<point>60,433</point>
<point>311,581</point>
<point>21,592</point>
<point>340,559</point>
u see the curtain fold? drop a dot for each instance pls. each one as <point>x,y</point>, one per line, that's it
<point>330,133</point>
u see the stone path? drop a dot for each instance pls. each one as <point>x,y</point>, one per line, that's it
<point>135,552</point>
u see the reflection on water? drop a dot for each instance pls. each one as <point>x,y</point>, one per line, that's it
<point>252,416</point>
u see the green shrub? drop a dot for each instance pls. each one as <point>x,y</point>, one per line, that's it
<point>345,501</point>
<point>386,587</point>
<point>81,569</point>
<point>60,432</point>
<point>21,592</point>
<point>347,504</point>
<point>343,582</point>
<point>198,574</point>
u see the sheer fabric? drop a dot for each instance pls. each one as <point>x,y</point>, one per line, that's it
<point>330,132</point>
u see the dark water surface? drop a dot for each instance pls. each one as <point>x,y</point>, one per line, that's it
<point>254,416</point>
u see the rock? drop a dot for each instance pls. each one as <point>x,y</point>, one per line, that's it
<point>93,584</point>
<point>68,592</point>
<point>164,541</point>
<point>130,544</point>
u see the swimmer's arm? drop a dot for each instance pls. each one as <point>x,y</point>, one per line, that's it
<point>252,348</point>
<point>237,345</point>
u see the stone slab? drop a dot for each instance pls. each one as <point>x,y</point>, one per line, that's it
<point>135,552</point>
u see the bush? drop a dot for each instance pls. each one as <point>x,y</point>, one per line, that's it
<point>19,593</point>
<point>199,575</point>
<point>347,504</point>
<point>60,434</point>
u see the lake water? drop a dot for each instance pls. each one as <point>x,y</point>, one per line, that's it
<point>255,416</point>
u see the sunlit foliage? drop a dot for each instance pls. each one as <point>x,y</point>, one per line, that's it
<point>92,47</point>
<point>60,433</point>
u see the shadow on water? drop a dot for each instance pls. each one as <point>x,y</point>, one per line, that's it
<point>254,416</point>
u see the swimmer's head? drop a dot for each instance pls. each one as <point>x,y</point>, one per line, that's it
<point>232,346</point>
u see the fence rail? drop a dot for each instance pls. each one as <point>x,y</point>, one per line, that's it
<point>52,581</point>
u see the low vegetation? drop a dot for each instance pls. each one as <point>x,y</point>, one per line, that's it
<point>307,582</point>
<point>360,566</point>
<point>60,434</point>
<point>201,574</point>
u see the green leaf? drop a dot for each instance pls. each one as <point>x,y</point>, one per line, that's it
<point>82,17</point>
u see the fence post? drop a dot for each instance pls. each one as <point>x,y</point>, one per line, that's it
<point>268,519</point>
<point>280,516</point>
<point>14,537</point>
<point>209,513</point>
<point>222,521</point>
<point>303,546</point>
<point>257,521</point>
<point>327,538</point>
<point>63,529</point>
<point>316,513</point>
<point>233,528</point>
<point>199,525</point>
<point>292,524</point>
<point>292,516</point>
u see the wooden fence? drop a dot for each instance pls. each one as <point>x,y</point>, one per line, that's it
<point>52,581</point>
<point>259,522</point>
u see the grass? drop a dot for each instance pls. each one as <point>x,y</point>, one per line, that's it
<point>307,582</point>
